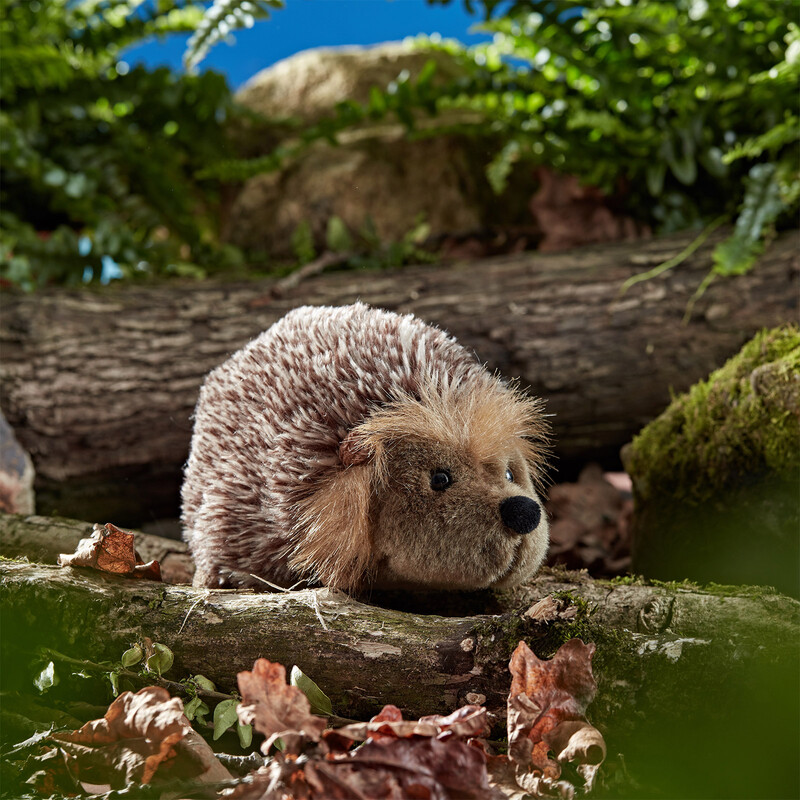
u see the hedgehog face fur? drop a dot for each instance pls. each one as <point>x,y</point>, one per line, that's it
<point>359,448</point>
<point>448,518</point>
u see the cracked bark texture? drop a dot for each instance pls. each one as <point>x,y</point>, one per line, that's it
<point>100,385</point>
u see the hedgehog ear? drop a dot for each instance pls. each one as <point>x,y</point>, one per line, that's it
<point>357,447</point>
<point>334,539</point>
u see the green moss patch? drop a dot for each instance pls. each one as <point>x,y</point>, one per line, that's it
<point>743,421</point>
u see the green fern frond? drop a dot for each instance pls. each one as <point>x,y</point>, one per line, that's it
<point>761,206</point>
<point>785,133</point>
<point>41,66</point>
<point>128,21</point>
<point>219,20</point>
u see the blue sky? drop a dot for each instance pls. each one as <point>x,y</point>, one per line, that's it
<point>315,23</point>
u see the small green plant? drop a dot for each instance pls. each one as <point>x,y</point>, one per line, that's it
<point>364,249</point>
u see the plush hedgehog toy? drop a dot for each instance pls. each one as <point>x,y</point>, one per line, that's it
<point>359,448</point>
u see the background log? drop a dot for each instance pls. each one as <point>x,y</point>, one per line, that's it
<point>100,385</point>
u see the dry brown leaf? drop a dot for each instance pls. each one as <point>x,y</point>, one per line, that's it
<point>55,774</point>
<point>110,549</point>
<point>439,767</point>
<point>151,571</point>
<point>549,609</point>
<point>276,709</point>
<point>546,715</point>
<point>428,758</point>
<point>142,736</point>
<point>465,722</point>
<point>281,779</point>
<point>590,523</point>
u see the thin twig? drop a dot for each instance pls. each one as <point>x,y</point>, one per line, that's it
<point>315,603</point>
<point>271,584</point>
<point>191,608</point>
<point>315,267</point>
<point>675,260</point>
<point>276,586</point>
<point>699,292</point>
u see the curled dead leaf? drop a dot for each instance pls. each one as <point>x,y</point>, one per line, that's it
<point>110,549</point>
<point>142,736</point>
<point>466,722</point>
<point>549,609</point>
<point>547,726</point>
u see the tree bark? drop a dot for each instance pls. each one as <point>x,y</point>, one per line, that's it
<point>683,672</point>
<point>100,385</point>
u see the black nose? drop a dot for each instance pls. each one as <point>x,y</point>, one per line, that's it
<point>521,514</point>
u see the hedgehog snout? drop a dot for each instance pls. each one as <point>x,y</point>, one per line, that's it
<point>521,514</point>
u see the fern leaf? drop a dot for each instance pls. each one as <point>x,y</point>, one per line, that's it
<point>782,134</point>
<point>221,18</point>
<point>761,206</point>
<point>39,67</point>
<point>499,168</point>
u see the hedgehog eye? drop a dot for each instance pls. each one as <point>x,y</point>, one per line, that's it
<point>440,480</point>
<point>509,475</point>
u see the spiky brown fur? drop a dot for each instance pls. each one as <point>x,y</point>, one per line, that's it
<point>314,446</point>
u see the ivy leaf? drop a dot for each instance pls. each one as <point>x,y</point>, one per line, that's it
<point>320,702</point>
<point>204,683</point>
<point>224,716</point>
<point>201,711</point>
<point>245,734</point>
<point>761,206</point>
<point>161,659</point>
<point>132,656</point>
<point>190,708</point>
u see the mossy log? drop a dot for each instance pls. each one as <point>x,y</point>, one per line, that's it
<point>100,385</point>
<point>685,674</point>
<point>716,477</point>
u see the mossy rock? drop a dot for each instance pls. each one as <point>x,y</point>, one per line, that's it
<point>717,476</point>
<point>377,176</point>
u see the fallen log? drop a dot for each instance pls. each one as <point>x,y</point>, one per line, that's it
<point>100,385</point>
<point>685,674</point>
